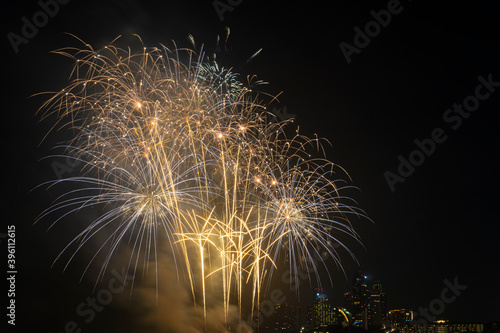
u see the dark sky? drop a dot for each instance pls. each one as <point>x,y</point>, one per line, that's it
<point>440,223</point>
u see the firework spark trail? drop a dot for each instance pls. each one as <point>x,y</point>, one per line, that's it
<point>174,144</point>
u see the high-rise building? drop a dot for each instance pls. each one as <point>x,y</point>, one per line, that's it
<point>374,307</point>
<point>377,289</point>
<point>323,317</point>
<point>367,304</point>
<point>320,312</point>
<point>400,316</point>
<point>357,299</point>
<point>377,305</point>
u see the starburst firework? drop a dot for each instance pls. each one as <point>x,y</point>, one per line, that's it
<point>175,148</point>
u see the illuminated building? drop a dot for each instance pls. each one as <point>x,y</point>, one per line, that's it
<point>439,326</point>
<point>321,312</point>
<point>400,315</point>
<point>367,304</point>
<point>396,317</point>
<point>357,299</point>
<point>374,307</point>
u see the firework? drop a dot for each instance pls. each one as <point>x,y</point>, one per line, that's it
<point>176,149</point>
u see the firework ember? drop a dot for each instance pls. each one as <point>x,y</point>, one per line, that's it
<point>177,151</point>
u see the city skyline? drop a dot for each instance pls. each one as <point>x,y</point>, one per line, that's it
<point>364,307</point>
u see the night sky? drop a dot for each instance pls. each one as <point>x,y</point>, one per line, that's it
<point>396,88</point>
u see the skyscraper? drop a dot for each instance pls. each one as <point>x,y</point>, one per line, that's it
<point>321,311</point>
<point>366,303</point>
<point>377,305</point>
<point>374,310</point>
<point>357,299</point>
